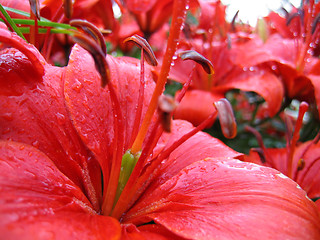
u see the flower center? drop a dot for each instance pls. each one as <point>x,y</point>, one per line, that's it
<point>114,202</point>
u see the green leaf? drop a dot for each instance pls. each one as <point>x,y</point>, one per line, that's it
<point>11,22</point>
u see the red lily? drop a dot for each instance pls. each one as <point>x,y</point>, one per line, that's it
<point>219,43</point>
<point>292,58</point>
<point>60,130</point>
<point>299,161</point>
<point>151,14</point>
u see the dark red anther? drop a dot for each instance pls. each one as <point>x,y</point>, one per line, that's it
<point>226,118</point>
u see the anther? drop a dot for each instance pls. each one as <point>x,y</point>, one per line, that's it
<point>143,44</point>
<point>166,106</point>
<point>197,57</point>
<point>97,53</point>
<point>226,118</point>
<point>68,8</point>
<point>35,8</point>
<point>92,30</point>
<point>301,164</point>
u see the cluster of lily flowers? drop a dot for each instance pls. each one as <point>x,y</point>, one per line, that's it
<point>103,119</point>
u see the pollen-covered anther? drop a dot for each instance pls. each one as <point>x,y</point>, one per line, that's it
<point>143,44</point>
<point>226,118</point>
<point>166,105</point>
<point>97,53</point>
<point>198,58</point>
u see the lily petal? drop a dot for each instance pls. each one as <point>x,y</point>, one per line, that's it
<point>33,111</point>
<point>196,106</point>
<point>262,82</point>
<point>217,199</point>
<point>315,80</point>
<point>40,202</point>
<point>90,105</point>
<point>308,177</point>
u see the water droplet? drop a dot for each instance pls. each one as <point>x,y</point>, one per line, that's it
<point>60,118</point>
<point>8,116</point>
<point>310,51</point>
<point>35,144</point>
<point>274,67</point>
<point>77,85</point>
<point>30,174</point>
<point>5,131</point>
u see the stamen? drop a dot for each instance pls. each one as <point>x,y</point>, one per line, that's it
<point>144,45</point>
<point>307,188</point>
<point>314,141</point>
<point>34,30</point>
<point>226,118</point>
<point>197,57</point>
<point>292,144</point>
<point>166,106</point>
<point>179,12</point>
<point>233,22</point>
<point>48,40</point>
<point>262,152</point>
<point>92,30</point>
<point>35,8</point>
<point>68,8</point>
<point>110,188</point>
<point>140,182</point>
<point>96,52</point>
<point>301,164</point>
<point>185,86</point>
<point>148,54</point>
<point>315,23</point>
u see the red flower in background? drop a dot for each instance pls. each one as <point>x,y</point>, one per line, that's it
<point>64,139</point>
<point>151,15</point>
<point>299,161</point>
<point>221,43</point>
<point>291,53</point>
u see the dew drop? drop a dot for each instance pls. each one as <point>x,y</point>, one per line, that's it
<point>8,116</point>
<point>35,144</point>
<point>60,118</point>
<point>77,85</point>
